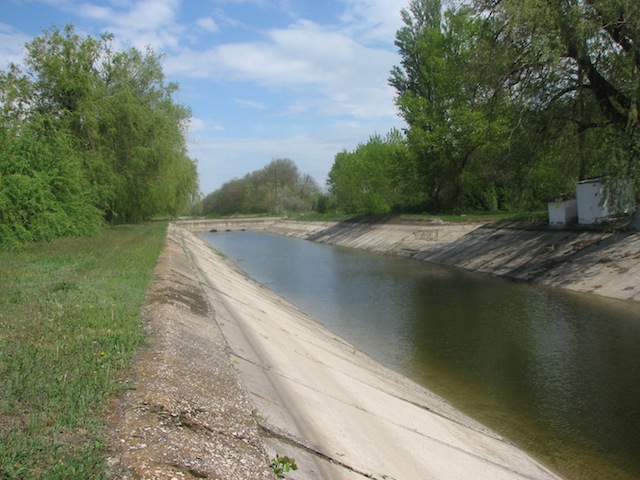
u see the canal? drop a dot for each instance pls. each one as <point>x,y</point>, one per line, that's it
<point>556,372</point>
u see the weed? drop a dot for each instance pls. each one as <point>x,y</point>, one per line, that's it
<point>282,465</point>
<point>69,325</point>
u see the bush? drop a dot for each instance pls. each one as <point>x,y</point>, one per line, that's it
<point>43,192</point>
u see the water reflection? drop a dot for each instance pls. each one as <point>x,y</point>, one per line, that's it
<point>558,372</point>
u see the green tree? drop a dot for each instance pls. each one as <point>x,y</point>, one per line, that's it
<point>377,177</point>
<point>455,120</point>
<point>115,111</point>
<point>580,59</point>
<point>142,137</point>
<point>277,188</point>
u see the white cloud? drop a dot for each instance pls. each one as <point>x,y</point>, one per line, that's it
<point>148,15</point>
<point>331,71</point>
<point>208,24</point>
<point>95,12</point>
<point>298,107</point>
<point>253,104</point>
<point>139,23</point>
<point>374,20</point>
<point>196,125</point>
<point>11,45</point>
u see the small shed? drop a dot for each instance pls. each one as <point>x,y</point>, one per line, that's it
<point>592,202</point>
<point>562,212</point>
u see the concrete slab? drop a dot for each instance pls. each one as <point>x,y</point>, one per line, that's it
<point>338,412</point>
<point>583,260</point>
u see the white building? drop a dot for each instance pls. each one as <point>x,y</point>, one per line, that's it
<point>592,202</point>
<point>562,212</point>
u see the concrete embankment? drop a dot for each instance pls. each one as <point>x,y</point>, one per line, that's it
<point>234,375</point>
<point>185,413</point>
<point>592,261</point>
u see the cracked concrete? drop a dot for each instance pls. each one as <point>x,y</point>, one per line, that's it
<point>234,375</point>
<point>339,413</point>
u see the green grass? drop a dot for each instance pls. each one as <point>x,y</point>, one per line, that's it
<point>484,217</point>
<point>69,326</point>
<point>470,217</point>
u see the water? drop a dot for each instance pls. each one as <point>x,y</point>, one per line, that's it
<point>556,372</point>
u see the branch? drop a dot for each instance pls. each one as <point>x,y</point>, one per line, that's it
<point>618,30</point>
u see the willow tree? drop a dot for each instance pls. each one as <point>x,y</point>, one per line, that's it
<point>142,138</point>
<point>117,113</point>
<point>581,57</point>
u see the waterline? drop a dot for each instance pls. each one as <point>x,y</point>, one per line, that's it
<point>555,371</point>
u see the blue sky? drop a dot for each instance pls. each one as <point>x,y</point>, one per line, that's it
<point>265,79</point>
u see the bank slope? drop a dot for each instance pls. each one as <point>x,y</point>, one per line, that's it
<point>583,260</point>
<point>339,413</point>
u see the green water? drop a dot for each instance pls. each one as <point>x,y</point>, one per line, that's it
<point>558,373</point>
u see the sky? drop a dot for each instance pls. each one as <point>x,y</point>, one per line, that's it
<point>264,79</point>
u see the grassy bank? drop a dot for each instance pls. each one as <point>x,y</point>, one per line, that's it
<point>69,325</point>
<point>485,217</point>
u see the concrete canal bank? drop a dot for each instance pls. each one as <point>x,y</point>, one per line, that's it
<point>583,260</point>
<point>234,375</point>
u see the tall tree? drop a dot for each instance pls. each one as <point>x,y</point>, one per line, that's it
<point>452,116</point>
<point>141,135</point>
<point>579,53</point>
<point>106,121</point>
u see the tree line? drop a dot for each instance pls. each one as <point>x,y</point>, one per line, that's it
<point>507,104</point>
<point>88,135</point>
<point>277,188</point>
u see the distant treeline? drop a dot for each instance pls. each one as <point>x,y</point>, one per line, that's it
<point>277,188</point>
<point>506,104</point>
<point>87,135</point>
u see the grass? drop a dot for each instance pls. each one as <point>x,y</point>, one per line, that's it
<point>452,218</point>
<point>69,326</point>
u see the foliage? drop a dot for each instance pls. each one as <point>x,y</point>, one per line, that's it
<point>577,64</point>
<point>375,178</point>
<point>454,121</point>
<point>70,326</point>
<point>85,127</point>
<point>278,187</point>
<point>43,191</point>
<point>282,465</point>
<point>507,104</point>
